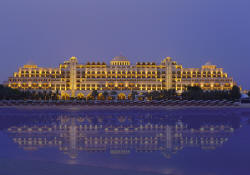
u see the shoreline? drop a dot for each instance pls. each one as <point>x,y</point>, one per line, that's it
<point>96,106</point>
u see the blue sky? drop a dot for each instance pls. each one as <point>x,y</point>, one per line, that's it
<point>46,32</point>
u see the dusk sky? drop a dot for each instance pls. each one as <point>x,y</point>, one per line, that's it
<point>193,32</point>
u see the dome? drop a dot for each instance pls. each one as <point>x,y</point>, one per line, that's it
<point>208,63</point>
<point>120,61</point>
<point>30,63</point>
<point>73,58</point>
<point>120,58</point>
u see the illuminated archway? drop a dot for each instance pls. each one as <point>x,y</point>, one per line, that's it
<point>89,96</point>
<point>141,96</point>
<point>121,96</point>
<point>133,95</point>
<point>130,97</point>
<point>80,96</point>
<point>65,96</point>
<point>109,97</point>
<point>100,96</point>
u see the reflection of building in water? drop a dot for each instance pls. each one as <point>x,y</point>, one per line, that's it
<point>119,135</point>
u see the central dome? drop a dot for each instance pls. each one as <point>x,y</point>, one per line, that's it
<point>120,61</point>
<point>120,58</point>
<point>208,63</point>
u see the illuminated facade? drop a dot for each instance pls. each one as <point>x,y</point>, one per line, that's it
<point>73,79</point>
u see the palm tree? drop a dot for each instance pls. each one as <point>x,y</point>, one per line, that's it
<point>57,94</point>
<point>45,95</point>
<point>155,95</point>
<point>50,95</point>
<point>113,94</point>
<point>105,94</point>
<point>134,94</point>
<point>235,93</point>
<point>168,94</point>
<point>33,95</point>
<point>194,92</point>
<point>40,95</point>
<point>94,94</point>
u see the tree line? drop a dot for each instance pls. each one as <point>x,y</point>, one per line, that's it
<point>196,93</point>
<point>191,93</point>
<point>16,94</point>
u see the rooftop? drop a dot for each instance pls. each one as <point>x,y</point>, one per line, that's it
<point>120,58</point>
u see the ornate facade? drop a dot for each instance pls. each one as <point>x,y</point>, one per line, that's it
<point>73,79</point>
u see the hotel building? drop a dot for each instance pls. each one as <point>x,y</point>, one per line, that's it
<point>73,79</point>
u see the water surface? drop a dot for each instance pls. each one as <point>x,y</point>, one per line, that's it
<point>174,142</point>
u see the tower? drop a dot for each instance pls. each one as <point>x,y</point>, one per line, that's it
<point>72,65</point>
<point>168,79</point>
